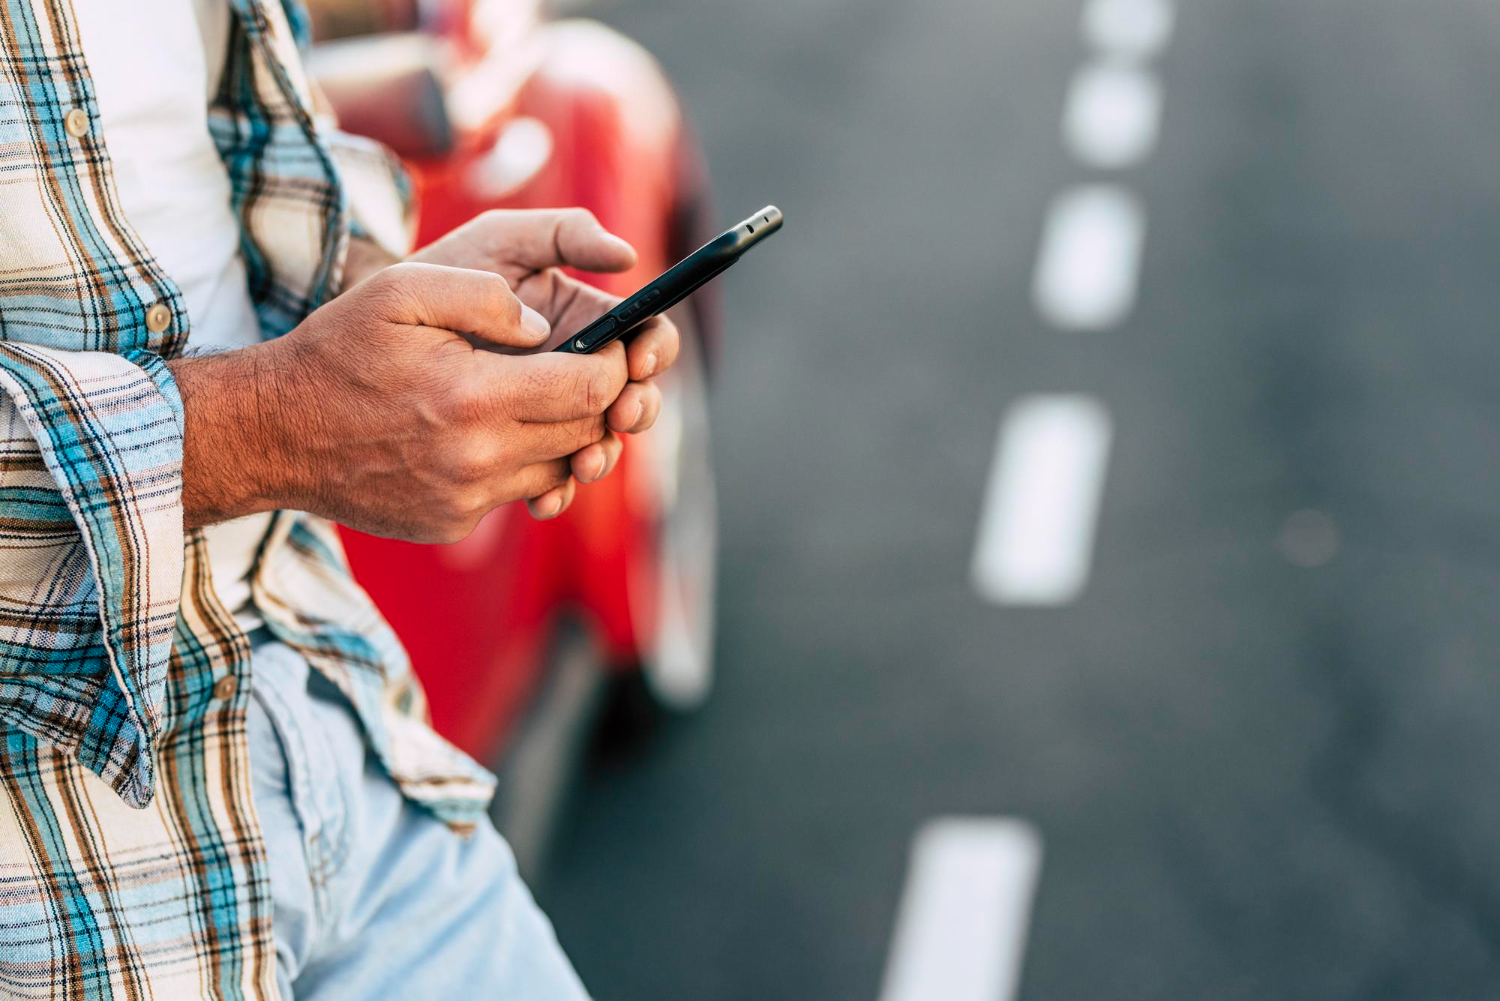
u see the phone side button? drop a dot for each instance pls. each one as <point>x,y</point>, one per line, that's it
<point>640,303</point>
<point>601,331</point>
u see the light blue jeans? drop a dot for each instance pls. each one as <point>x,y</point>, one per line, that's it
<point>375,898</point>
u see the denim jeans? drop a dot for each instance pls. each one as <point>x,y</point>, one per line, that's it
<point>375,898</point>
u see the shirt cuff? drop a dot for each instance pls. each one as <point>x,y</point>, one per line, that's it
<point>108,433</point>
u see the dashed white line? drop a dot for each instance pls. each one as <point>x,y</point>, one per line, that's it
<point>1041,507</point>
<point>1131,29</point>
<point>1113,115</point>
<point>1090,258</point>
<point>961,930</point>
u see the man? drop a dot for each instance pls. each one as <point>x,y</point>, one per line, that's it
<point>215,780</point>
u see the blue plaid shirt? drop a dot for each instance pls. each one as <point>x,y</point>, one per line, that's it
<point>131,863</point>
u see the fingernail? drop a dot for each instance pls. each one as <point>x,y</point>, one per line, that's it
<point>598,470</point>
<point>640,412</point>
<point>650,367</point>
<point>534,324</point>
<point>554,507</point>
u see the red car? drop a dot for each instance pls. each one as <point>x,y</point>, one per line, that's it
<point>516,630</point>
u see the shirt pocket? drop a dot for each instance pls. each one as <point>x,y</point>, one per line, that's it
<point>41,298</point>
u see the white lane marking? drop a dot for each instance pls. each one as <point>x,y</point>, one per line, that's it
<point>1113,115</point>
<point>1090,258</point>
<point>1041,507</point>
<point>1133,29</point>
<point>961,931</point>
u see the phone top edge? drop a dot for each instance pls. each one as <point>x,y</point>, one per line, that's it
<point>753,229</point>
<point>769,217</point>
<point>676,283</point>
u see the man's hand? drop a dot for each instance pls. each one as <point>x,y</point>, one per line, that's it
<point>380,412</point>
<point>528,249</point>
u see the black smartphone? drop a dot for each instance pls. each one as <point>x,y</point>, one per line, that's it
<point>676,283</point>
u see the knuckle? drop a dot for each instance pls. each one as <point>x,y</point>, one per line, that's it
<point>402,269</point>
<point>463,510</point>
<point>466,403</point>
<point>473,503</point>
<point>471,464</point>
<point>388,291</point>
<point>475,468</point>
<point>597,390</point>
<point>402,275</point>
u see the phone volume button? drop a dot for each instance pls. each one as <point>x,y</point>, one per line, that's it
<point>640,304</point>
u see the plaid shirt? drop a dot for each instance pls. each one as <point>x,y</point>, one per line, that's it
<point>131,860</point>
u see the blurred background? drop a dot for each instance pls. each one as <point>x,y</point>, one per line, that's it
<point>1107,535</point>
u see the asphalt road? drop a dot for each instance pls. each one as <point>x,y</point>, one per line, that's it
<point>1252,778</point>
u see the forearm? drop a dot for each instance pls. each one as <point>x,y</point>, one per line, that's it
<point>238,457</point>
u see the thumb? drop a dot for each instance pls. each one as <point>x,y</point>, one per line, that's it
<point>478,304</point>
<point>537,239</point>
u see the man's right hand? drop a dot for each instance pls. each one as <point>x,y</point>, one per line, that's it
<point>379,413</point>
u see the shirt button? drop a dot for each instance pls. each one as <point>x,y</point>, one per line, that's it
<point>77,123</point>
<point>225,687</point>
<point>158,318</point>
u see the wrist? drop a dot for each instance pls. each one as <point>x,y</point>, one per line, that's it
<point>239,453</point>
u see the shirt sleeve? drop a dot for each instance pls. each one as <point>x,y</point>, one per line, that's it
<point>91,553</point>
<point>375,183</point>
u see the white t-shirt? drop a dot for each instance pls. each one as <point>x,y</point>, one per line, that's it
<point>156,65</point>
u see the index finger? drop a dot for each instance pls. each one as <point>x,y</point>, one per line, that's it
<point>652,348</point>
<point>552,386</point>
